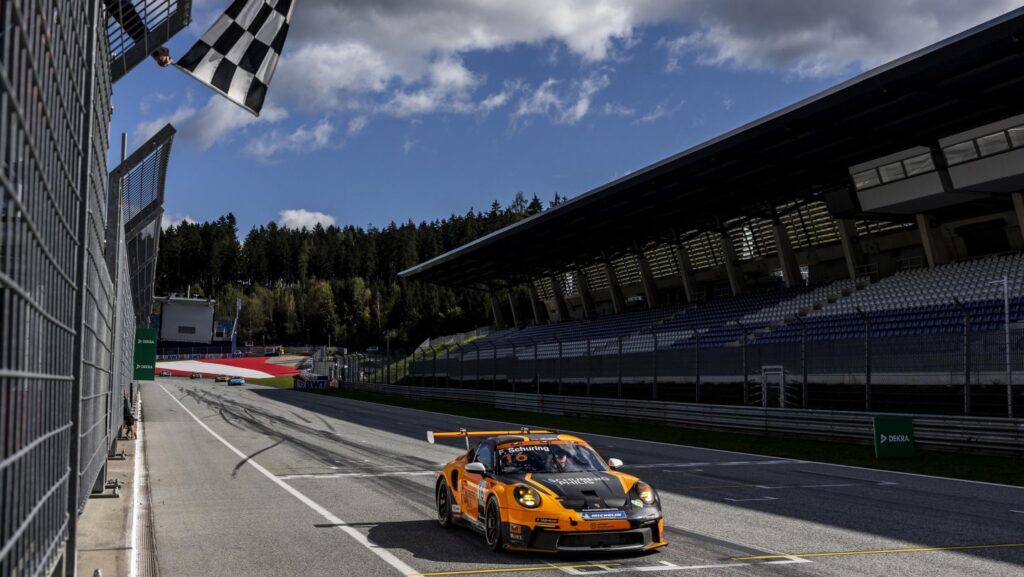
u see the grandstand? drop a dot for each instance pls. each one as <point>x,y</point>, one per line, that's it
<point>860,236</point>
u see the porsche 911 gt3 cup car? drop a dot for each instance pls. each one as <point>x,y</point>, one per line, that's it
<point>543,491</point>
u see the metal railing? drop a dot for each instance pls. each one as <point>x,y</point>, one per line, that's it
<point>136,28</point>
<point>946,373</point>
<point>952,433</point>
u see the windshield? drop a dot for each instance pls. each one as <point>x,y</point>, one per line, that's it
<point>547,458</point>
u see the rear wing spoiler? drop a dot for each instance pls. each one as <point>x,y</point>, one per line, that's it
<point>431,435</point>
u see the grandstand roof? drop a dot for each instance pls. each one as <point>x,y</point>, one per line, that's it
<point>800,152</point>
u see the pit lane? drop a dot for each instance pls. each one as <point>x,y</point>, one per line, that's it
<point>370,471</point>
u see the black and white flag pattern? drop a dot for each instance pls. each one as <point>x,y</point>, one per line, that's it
<point>238,54</point>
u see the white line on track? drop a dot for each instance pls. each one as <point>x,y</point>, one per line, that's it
<point>140,464</point>
<point>752,499</point>
<point>667,566</point>
<point>356,475</point>
<point>384,554</point>
<point>715,464</point>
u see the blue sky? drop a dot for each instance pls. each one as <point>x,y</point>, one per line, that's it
<point>402,110</point>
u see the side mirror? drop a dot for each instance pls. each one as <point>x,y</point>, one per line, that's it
<point>476,467</point>
<point>614,464</point>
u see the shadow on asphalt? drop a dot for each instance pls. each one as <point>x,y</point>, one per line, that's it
<point>845,499</point>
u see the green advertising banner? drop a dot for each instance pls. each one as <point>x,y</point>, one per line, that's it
<point>145,354</point>
<point>894,437</point>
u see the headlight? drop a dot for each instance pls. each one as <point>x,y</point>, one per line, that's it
<point>645,492</point>
<point>527,497</point>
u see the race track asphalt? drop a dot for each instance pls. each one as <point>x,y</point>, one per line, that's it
<point>261,481</point>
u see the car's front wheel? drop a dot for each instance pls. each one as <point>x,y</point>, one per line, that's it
<point>492,526</point>
<point>444,504</point>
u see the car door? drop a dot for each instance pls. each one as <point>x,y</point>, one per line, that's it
<point>474,485</point>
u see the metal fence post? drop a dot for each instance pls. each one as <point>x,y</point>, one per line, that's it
<point>696,363</point>
<point>434,369</point>
<point>803,368</point>
<point>536,371</point>
<point>515,368</point>
<point>476,349</point>
<point>494,367</point>
<point>618,387</point>
<point>559,366</point>
<point>746,395</point>
<point>462,368</point>
<point>654,367</point>
<point>867,358</point>
<point>967,356</point>
<point>588,361</point>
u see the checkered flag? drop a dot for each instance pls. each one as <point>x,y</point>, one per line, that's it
<point>238,54</point>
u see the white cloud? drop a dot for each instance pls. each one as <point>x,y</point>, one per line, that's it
<point>660,110</point>
<point>823,38</point>
<point>562,104</point>
<point>301,140</point>
<point>301,218</point>
<point>407,58</point>
<point>617,109</point>
<point>215,122</point>
<point>408,145</point>
<point>357,124</point>
<point>169,220</point>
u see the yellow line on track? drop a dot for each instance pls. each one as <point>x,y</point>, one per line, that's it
<point>512,570</point>
<point>880,551</point>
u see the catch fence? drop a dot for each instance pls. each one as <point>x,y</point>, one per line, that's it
<point>946,373</point>
<point>67,320</point>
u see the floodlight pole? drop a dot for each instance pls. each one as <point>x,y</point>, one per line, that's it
<point>1006,329</point>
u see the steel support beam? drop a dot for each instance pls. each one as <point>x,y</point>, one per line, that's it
<point>618,300</point>
<point>686,273</point>
<point>559,294</point>
<point>787,260</point>
<point>732,268</point>
<point>934,250</point>
<point>852,251</point>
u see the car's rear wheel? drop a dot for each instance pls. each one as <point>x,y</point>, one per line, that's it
<point>444,504</point>
<point>492,526</point>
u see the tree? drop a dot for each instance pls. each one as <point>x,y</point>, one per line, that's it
<point>338,281</point>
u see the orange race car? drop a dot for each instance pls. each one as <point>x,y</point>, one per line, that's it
<point>543,491</point>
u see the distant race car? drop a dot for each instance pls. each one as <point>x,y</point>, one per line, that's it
<point>543,491</point>
<point>236,381</point>
<point>221,379</point>
<point>195,376</point>
<point>165,373</point>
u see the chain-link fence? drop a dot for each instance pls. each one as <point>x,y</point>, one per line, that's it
<point>946,373</point>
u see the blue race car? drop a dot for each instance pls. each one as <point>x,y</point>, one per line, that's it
<point>236,381</point>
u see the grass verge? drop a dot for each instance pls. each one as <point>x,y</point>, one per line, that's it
<point>1006,470</point>
<point>283,382</point>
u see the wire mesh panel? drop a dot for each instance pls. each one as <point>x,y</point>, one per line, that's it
<point>97,330</point>
<point>136,28</point>
<point>45,102</point>
<point>141,178</point>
